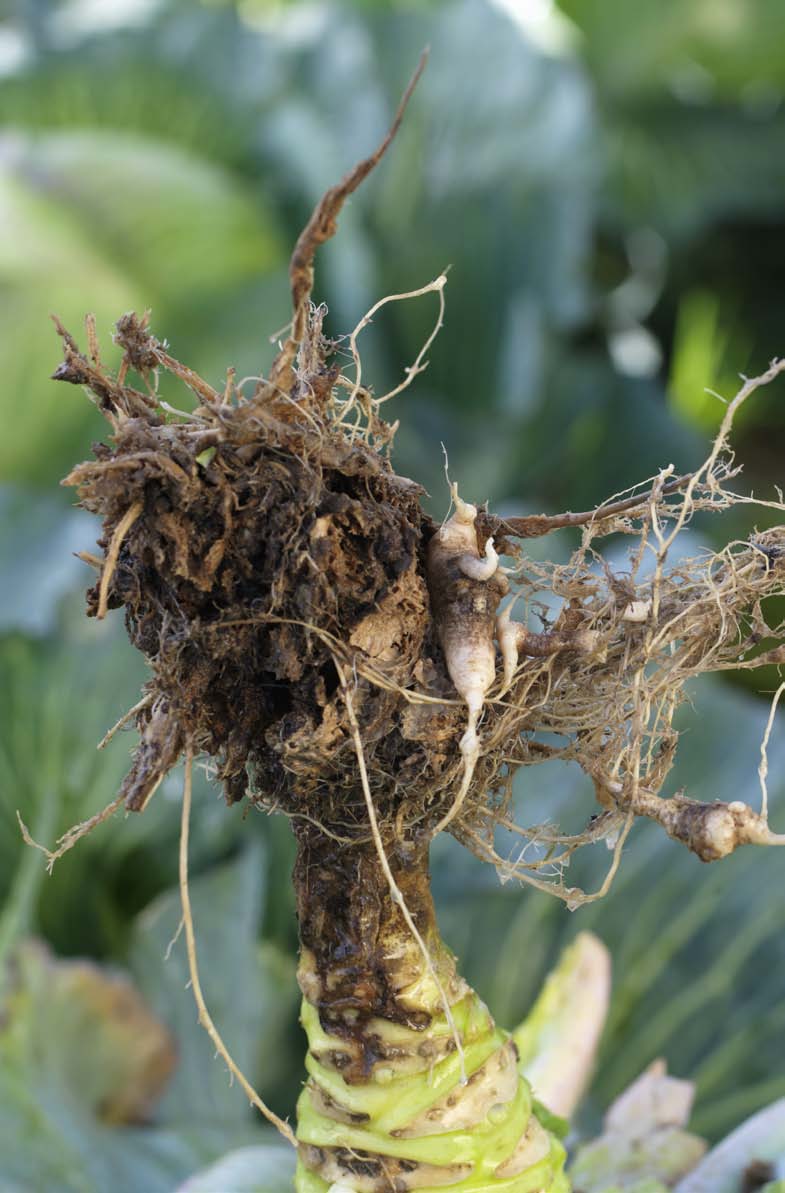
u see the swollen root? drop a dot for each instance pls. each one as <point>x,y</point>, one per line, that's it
<point>712,831</point>
<point>465,588</point>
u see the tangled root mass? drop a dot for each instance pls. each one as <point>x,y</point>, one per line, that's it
<point>262,546</point>
<point>267,545</point>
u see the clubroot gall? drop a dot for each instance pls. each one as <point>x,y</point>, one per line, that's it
<point>344,660</point>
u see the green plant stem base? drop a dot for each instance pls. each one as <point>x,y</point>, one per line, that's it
<point>404,1111</point>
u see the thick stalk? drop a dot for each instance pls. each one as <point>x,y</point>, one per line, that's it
<point>384,1109</point>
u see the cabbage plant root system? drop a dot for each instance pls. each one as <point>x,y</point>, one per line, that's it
<point>346,661</point>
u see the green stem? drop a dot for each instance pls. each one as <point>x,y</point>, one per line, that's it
<point>384,1108</point>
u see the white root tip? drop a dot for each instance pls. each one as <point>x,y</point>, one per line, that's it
<point>762,835</point>
<point>470,742</point>
<point>637,611</point>
<point>509,635</point>
<point>491,556</point>
<point>464,511</point>
<point>480,569</point>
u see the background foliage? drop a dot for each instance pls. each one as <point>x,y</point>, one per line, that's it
<point>608,183</point>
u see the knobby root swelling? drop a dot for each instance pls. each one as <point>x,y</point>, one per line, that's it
<point>345,661</point>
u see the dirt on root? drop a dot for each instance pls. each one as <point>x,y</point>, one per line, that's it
<point>267,545</point>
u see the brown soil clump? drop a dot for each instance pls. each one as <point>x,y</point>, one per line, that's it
<point>267,543</point>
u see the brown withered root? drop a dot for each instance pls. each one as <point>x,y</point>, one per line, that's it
<point>344,660</point>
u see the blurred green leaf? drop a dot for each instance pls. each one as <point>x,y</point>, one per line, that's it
<point>94,1057</point>
<point>102,1050</point>
<point>55,705</point>
<point>176,224</point>
<point>268,1169</point>
<point>42,252</point>
<point>106,223</point>
<point>99,87</point>
<point>699,347</point>
<point>761,1139</point>
<point>706,48</point>
<point>38,539</point>
<point>77,1043</point>
<point>250,990</point>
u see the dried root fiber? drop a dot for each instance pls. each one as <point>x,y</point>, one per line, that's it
<point>261,548</point>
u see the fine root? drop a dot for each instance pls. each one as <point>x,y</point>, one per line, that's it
<point>454,810</point>
<point>419,365</point>
<point>74,834</point>
<point>656,626</point>
<point>125,719</point>
<point>763,769</point>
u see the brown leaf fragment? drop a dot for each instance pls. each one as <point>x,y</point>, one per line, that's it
<point>321,227</point>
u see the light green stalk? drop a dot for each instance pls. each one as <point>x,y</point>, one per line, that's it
<point>391,1103</point>
<point>422,1115</point>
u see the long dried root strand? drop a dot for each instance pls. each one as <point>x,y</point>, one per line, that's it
<point>74,834</point>
<point>205,1019</point>
<point>395,891</point>
<point>321,227</point>
<point>537,525</point>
